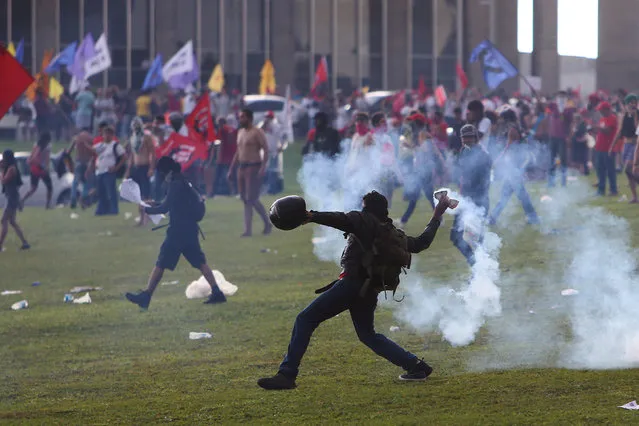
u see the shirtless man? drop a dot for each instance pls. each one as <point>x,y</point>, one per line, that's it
<point>83,157</point>
<point>251,169</point>
<point>142,162</point>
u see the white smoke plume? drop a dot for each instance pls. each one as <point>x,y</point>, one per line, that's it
<point>457,314</point>
<point>340,183</point>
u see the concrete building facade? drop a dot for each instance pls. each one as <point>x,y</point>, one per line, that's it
<point>382,44</point>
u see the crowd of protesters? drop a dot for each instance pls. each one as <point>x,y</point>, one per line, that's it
<point>526,137</point>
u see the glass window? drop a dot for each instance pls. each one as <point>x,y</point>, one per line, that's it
<point>233,44</point>
<point>266,105</point>
<point>210,26</point>
<point>3,21</point>
<point>117,23</point>
<point>140,29</point>
<point>93,18</point>
<point>186,17</point>
<point>423,27</point>
<point>21,28</point>
<point>69,21</point>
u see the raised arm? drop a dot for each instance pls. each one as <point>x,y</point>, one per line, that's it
<point>424,240</point>
<point>337,220</point>
<point>163,208</point>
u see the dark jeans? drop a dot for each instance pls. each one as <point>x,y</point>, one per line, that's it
<point>342,296</point>
<point>79,177</point>
<point>514,185</point>
<point>457,236</point>
<point>558,149</point>
<point>606,167</point>
<point>107,195</point>
<point>428,188</point>
<point>159,189</point>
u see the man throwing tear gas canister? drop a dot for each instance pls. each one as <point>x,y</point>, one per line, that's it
<point>376,253</point>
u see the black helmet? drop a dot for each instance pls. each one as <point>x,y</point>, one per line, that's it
<point>288,213</point>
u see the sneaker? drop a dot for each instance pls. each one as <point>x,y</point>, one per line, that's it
<point>277,382</point>
<point>418,373</point>
<point>397,223</point>
<point>142,299</point>
<point>25,247</point>
<point>215,298</point>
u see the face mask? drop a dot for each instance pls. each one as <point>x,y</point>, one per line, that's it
<point>361,128</point>
<point>383,128</point>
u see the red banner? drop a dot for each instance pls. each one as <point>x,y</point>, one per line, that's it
<point>182,149</point>
<point>461,75</point>
<point>14,80</point>
<point>200,121</point>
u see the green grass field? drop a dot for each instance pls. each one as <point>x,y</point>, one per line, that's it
<point>108,363</point>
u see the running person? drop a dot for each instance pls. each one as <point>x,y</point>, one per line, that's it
<point>182,235</point>
<point>11,182</point>
<point>141,162</point>
<point>39,162</point>
<point>628,122</point>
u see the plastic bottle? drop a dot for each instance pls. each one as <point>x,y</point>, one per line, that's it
<point>23,304</point>
<point>196,336</point>
<point>68,298</point>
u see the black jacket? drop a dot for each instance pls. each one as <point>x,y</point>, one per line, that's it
<point>364,225</point>
<point>326,141</point>
<point>176,204</point>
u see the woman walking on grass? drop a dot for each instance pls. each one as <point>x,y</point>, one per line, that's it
<point>11,182</point>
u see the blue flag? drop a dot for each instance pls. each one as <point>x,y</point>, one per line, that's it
<point>154,76</point>
<point>20,51</point>
<point>64,58</point>
<point>495,66</point>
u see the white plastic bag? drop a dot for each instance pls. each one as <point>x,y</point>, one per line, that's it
<point>201,289</point>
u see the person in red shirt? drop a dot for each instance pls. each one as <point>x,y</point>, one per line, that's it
<point>226,151</point>
<point>604,159</point>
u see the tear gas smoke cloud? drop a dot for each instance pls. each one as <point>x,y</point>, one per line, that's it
<point>340,184</point>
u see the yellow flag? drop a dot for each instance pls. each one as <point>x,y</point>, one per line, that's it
<point>216,82</point>
<point>365,90</point>
<point>267,82</point>
<point>55,89</point>
<point>41,79</point>
<point>11,49</point>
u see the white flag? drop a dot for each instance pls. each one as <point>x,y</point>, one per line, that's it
<point>77,85</point>
<point>180,63</point>
<point>101,61</point>
<point>288,124</point>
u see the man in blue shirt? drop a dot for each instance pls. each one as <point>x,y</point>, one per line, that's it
<point>474,166</point>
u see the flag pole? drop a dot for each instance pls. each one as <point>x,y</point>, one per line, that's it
<point>532,89</point>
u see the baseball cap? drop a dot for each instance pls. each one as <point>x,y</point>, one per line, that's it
<point>604,105</point>
<point>469,131</point>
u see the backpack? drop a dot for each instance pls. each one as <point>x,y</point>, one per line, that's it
<point>195,204</point>
<point>119,173</point>
<point>386,259</point>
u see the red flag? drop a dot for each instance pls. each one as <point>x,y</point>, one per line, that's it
<point>422,89</point>
<point>183,149</point>
<point>200,121</point>
<point>461,75</point>
<point>14,80</point>
<point>321,77</point>
<point>399,100</point>
<point>440,96</point>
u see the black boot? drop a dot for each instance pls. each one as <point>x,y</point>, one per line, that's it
<point>277,382</point>
<point>142,299</point>
<point>419,372</point>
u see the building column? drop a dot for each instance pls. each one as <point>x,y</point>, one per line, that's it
<point>398,44</point>
<point>545,59</point>
<point>618,62</point>
<point>45,30</point>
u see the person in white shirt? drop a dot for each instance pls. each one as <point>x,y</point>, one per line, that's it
<point>189,101</point>
<point>276,141</point>
<point>222,104</point>
<point>388,175</point>
<point>110,157</point>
